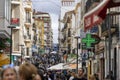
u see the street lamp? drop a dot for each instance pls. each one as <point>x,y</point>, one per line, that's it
<point>77,37</point>
<point>11,27</point>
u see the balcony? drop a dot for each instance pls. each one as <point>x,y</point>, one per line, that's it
<point>69,33</point>
<point>34,26</point>
<point>35,38</point>
<point>114,25</point>
<point>27,38</point>
<point>28,23</point>
<point>28,6</point>
<point>15,2</point>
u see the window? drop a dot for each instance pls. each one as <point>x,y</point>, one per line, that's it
<point>28,17</point>
<point>46,24</point>
<point>27,51</point>
<point>16,40</point>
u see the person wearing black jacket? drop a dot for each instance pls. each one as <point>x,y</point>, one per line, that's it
<point>96,76</point>
<point>68,75</point>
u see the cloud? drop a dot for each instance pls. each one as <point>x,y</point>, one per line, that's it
<point>55,27</point>
<point>50,6</point>
<point>53,8</point>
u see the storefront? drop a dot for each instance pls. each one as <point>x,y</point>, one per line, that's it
<point>96,16</point>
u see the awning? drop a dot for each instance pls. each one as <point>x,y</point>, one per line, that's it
<point>109,4</point>
<point>96,15</point>
<point>57,67</point>
<point>91,18</point>
<point>113,3</point>
<point>72,66</point>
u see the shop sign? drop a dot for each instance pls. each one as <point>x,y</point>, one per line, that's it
<point>94,29</point>
<point>15,21</point>
<point>88,40</point>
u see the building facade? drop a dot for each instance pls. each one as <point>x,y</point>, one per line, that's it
<point>5,15</point>
<point>43,21</point>
<point>66,6</point>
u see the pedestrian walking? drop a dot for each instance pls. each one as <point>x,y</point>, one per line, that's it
<point>68,74</point>
<point>110,75</point>
<point>39,75</point>
<point>27,71</point>
<point>73,76</point>
<point>96,76</point>
<point>92,77</point>
<point>81,74</point>
<point>9,73</point>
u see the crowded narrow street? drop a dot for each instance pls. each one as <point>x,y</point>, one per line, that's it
<point>59,39</point>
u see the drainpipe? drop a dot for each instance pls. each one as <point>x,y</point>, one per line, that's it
<point>110,43</point>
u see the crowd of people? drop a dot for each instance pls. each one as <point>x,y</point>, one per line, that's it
<point>36,69</point>
<point>45,60</point>
<point>28,71</point>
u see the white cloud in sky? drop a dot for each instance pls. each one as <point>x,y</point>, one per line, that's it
<point>53,8</point>
<point>55,27</point>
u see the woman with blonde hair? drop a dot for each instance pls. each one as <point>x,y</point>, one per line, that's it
<point>92,77</point>
<point>8,73</point>
<point>27,71</point>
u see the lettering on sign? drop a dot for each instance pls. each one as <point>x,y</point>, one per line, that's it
<point>95,18</point>
<point>88,22</point>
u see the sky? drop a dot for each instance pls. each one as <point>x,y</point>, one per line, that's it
<point>53,8</point>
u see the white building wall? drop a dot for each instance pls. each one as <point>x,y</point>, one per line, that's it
<point>5,18</point>
<point>73,32</point>
<point>106,59</point>
<point>64,10</point>
<point>65,7</point>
